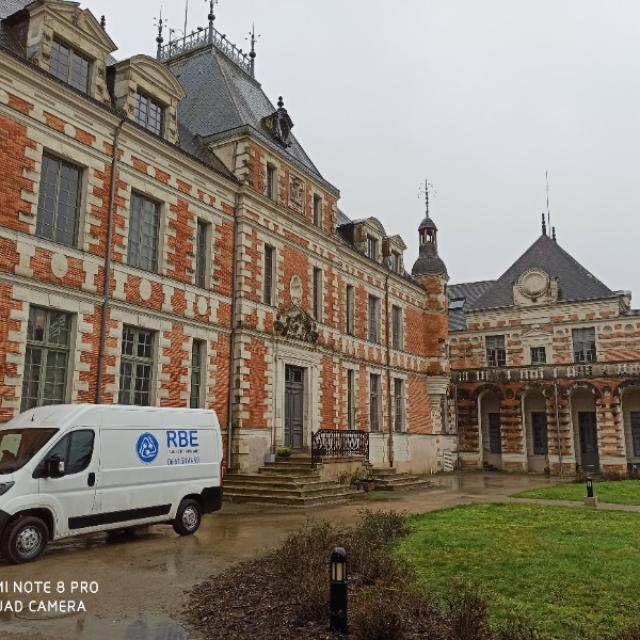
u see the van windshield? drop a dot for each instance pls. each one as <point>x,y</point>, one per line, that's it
<point>18,446</point>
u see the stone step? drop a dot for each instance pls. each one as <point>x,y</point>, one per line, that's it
<point>289,470</point>
<point>276,482</point>
<point>403,482</point>
<point>384,471</point>
<point>294,501</point>
<point>295,492</point>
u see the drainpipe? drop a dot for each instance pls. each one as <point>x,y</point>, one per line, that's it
<point>389,398</point>
<point>106,280</point>
<point>555,387</point>
<point>232,337</point>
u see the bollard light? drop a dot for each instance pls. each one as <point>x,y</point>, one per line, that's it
<point>589,488</point>
<point>338,591</point>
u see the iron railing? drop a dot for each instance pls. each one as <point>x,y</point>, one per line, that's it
<point>203,37</point>
<point>328,443</point>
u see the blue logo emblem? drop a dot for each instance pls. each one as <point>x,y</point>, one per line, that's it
<point>147,447</point>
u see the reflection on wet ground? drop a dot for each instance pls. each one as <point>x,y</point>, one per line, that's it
<point>143,578</point>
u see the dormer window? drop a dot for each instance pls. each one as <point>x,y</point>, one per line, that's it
<point>68,65</point>
<point>148,113</point>
<point>372,247</point>
<point>396,262</point>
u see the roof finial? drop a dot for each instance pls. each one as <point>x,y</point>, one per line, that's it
<point>553,234</point>
<point>252,53</point>
<point>103,22</point>
<point>544,225</point>
<point>212,18</point>
<point>280,102</point>
<point>160,23</point>
<point>424,191</point>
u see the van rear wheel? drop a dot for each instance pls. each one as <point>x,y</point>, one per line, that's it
<point>188,517</point>
<point>25,539</point>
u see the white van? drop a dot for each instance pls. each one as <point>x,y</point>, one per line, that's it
<point>72,469</point>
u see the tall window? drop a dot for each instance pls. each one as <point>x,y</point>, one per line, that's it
<point>68,65</point>
<point>202,253</point>
<point>374,319</point>
<point>351,404</point>
<point>317,210</point>
<point>136,366</point>
<point>538,355</point>
<point>197,370</point>
<point>635,431</point>
<point>398,405</point>
<point>317,294</point>
<point>496,353</point>
<point>271,181</point>
<point>495,434</point>
<point>269,262</point>
<point>59,201</point>
<point>396,327</point>
<point>350,310</point>
<point>375,402</point>
<point>584,345</point>
<point>47,358</point>
<point>144,224</point>
<point>539,432</point>
<point>148,113</point>
<point>372,247</point>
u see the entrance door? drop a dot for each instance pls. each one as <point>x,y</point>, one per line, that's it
<point>588,441</point>
<point>495,434</point>
<point>294,408</point>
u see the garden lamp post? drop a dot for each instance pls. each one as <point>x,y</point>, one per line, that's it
<point>338,591</point>
<point>589,488</point>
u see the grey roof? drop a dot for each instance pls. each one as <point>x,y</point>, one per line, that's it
<point>194,146</point>
<point>575,282</point>
<point>342,218</point>
<point>9,7</point>
<point>468,293</point>
<point>221,97</point>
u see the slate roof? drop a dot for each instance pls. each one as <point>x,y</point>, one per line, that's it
<point>9,7</point>
<point>222,97</point>
<point>7,39</point>
<point>575,282</point>
<point>467,293</point>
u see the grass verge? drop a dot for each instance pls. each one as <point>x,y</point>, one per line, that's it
<point>572,573</point>
<point>614,492</point>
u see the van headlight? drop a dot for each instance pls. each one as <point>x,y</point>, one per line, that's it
<point>5,486</point>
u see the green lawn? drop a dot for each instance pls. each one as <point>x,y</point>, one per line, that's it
<point>617,492</point>
<point>574,572</point>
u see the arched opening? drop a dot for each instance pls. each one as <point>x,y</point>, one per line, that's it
<point>535,419</point>
<point>490,426</point>
<point>631,417</point>
<point>585,430</point>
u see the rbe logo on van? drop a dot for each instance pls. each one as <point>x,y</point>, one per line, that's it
<point>147,448</point>
<point>72,469</point>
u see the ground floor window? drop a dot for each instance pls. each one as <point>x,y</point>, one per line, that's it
<point>539,433</point>
<point>197,369</point>
<point>374,402</point>
<point>46,359</point>
<point>635,432</point>
<point>398,405</point>
<point>495,435</point>
<point>351,418</point>
<point>136,366</point>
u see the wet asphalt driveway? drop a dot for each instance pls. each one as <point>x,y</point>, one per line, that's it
<point>142,580</point>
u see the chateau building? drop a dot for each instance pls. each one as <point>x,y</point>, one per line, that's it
<point>546,368</point>
<point>165,240</point>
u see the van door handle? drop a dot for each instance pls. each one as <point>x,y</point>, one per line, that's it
<point>91,480</point>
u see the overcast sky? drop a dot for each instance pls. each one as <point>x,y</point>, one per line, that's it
<point>480,96</point>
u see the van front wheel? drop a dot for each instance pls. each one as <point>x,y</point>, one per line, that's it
<point>188,517</point>
<point>24,540</point>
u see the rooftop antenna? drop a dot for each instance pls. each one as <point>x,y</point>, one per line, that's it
<point>252,54</point>
<point>186,16</point>
<point>160,23</point>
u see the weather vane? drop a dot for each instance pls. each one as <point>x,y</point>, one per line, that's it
<point>252,54</point>
<point>160,23</point>
<point>425,191</point>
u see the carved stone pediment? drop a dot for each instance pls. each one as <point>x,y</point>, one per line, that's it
<point>295,324</point>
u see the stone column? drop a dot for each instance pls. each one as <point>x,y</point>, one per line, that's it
<point>560,432</point>
<point>611,440</point>
<point>468,430</point>
<point>514,457</point>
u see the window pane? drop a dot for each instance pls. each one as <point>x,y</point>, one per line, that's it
<point>124,396</point>
<point>268,274</point>
<point>136,366</point>
<point>55,377</point>
<point>201,253</point>
<point>59,61</point>
<point>80,451</point>
<point>143,233</point>
<point>196,373</point>
<point>79,77</point>
<point>31,380</point>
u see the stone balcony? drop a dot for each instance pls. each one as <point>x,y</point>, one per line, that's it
<point>547,372</point>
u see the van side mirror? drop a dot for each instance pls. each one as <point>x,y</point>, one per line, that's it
<point>54,467</point>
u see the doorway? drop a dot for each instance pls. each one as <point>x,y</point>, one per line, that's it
<point>294,408</point>
<point>587,426</point>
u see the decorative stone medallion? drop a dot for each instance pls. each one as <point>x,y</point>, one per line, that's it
<point>144,289</point>
<point>59,265</point>
<point>296,192</point>
<point>296,290</point>
<point>202,306</point>
<point>533,283</point>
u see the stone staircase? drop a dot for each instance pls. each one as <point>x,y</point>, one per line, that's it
<point>292,482</point>
<point>387,479</point>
